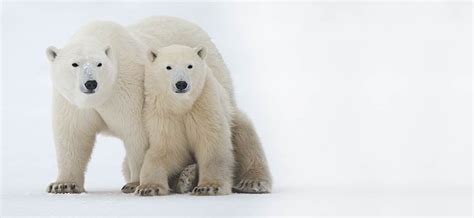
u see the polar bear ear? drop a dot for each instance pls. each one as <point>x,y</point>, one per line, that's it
<point>107,51</point>
<point>152,55</point>
<point>201,51</point>
<point>52,53</point>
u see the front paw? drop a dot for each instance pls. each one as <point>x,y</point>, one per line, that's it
<point>151,190</point>
<point>130,187</point>
<point>64,188</point>
<point>210,189</point>
<point>253,186</point>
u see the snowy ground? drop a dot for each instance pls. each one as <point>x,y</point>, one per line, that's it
<point>289,201</point>
<point>363,108</point>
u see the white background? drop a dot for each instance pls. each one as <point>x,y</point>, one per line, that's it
<point>363,108</point>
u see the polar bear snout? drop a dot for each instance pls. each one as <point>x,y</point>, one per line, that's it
<point>88,78</point>
<point>181,87</point>
<point>90,85</point>
<point>180,82</point>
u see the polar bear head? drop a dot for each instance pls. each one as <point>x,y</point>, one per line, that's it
<point>178,70</point>
<point>84,73</point>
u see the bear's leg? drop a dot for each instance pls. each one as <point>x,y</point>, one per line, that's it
<point>72,157</point>
<point>215,159</point>
<point>215,170</point>
<point>74,134</point>
<point>251,172</point>
<point>126,170</point>
<point>130,186</point>
<point>135,146</point>
<point>157,166</point>
<point>209,135</point>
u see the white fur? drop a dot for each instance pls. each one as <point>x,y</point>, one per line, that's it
<point>115,108</point>
<point>251,173</point>
<point>182,125</point>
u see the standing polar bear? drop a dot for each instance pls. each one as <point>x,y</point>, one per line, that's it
<point>187,112</point>
<point>98,88</point>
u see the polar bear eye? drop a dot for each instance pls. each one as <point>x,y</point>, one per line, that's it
<point>190,66</point>
<point>75,64</point>
<point>99,65</point>
<point>168,67</point>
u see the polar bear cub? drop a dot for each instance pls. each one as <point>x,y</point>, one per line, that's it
<point>187,116</point>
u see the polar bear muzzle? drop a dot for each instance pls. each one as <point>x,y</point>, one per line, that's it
<point>88,79</point>
<point>90,85</point>
<point>181,87</point>
<point>180,82</point>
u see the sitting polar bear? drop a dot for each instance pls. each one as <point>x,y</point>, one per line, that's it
<point>251,173</point>
<point>187,113</point>
<point>98,88</point>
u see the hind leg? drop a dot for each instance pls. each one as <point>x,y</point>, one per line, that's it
<point>130,186</point>
<point>251,173</point>
<point>136,145</point>
<point>136,150</point>
<point>126,170</point>
<point>187,179</point>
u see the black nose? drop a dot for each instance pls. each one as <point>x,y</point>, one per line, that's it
<point>90,84</point>
<point>181,85</point>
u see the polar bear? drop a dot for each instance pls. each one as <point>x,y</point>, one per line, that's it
<point>187,113</point>
<point>251,173</point>
<point>98,88</point>
<point>89,99</point>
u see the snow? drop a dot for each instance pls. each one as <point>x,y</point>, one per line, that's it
<point>284,201</point>
<point>363,108</point>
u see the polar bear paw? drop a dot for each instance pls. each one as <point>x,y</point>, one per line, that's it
<point>187,179</point>
<point>151,190</point>
<point>209,189</point>
<point>64,188</point>
<point>252,186</point>
<point>130,187</point>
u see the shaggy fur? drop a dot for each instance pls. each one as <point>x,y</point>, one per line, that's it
<point>251,173</point>
<point>182,123</point>
<point>115,107</point>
